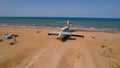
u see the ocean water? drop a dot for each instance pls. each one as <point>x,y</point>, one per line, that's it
<point>58,22</point>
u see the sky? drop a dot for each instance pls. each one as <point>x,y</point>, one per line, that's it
<point>60,8</point>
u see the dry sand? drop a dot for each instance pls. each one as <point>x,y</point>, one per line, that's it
<point>38,50</point>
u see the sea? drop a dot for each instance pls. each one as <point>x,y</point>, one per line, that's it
<point>112,24</point>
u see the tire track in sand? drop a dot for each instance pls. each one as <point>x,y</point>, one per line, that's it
<point>50,55</point>
<point>85,58</point>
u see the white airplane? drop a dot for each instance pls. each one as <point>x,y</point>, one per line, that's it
<point>65,32</point>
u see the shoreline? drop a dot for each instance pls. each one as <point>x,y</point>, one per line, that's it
<point>74,29</point>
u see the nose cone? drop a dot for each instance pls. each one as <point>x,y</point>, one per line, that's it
<point>61,36</point>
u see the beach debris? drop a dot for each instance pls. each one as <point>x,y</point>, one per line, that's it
<point>15,35</point>
<point>12,43</point>
<point>38,31</point>
<point>93,37</point>
<point>1,40</point>
<point>9,36</point>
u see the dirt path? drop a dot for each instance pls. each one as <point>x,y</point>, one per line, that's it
<point>85,58</point>
<point>53,55</point>
<point>50,55</point>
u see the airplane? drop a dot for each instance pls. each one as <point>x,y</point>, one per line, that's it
<point>65,32</point>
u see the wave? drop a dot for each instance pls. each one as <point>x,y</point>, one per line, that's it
<point>75,28</point>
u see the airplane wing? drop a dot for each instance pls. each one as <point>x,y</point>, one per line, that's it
<point>77,35</point>
<point>53,33</point>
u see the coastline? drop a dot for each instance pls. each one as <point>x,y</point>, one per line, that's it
<point>58,22</point>
<point>76,29</point>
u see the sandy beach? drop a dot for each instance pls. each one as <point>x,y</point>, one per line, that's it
<point>33,48</point>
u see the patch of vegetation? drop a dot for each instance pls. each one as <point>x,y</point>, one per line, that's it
<point>103,46</point>
<point>115,66</point>
<point>112,66</point>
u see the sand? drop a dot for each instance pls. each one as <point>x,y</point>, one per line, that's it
<point>33,48</point>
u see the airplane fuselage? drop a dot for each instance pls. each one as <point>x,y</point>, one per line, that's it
<point>64,33</point>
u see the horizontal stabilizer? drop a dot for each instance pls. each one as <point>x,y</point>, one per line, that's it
<point>53,33</point>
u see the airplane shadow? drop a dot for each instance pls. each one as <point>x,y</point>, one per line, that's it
<point>67,38</point>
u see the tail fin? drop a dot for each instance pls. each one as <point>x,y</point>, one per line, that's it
<point>68,23</point>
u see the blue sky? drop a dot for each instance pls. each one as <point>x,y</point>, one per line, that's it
<point>61,8</point>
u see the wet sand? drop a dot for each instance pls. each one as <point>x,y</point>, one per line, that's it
<point>33,48</point>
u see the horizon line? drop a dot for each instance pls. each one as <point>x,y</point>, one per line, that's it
<point>63,17</point>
